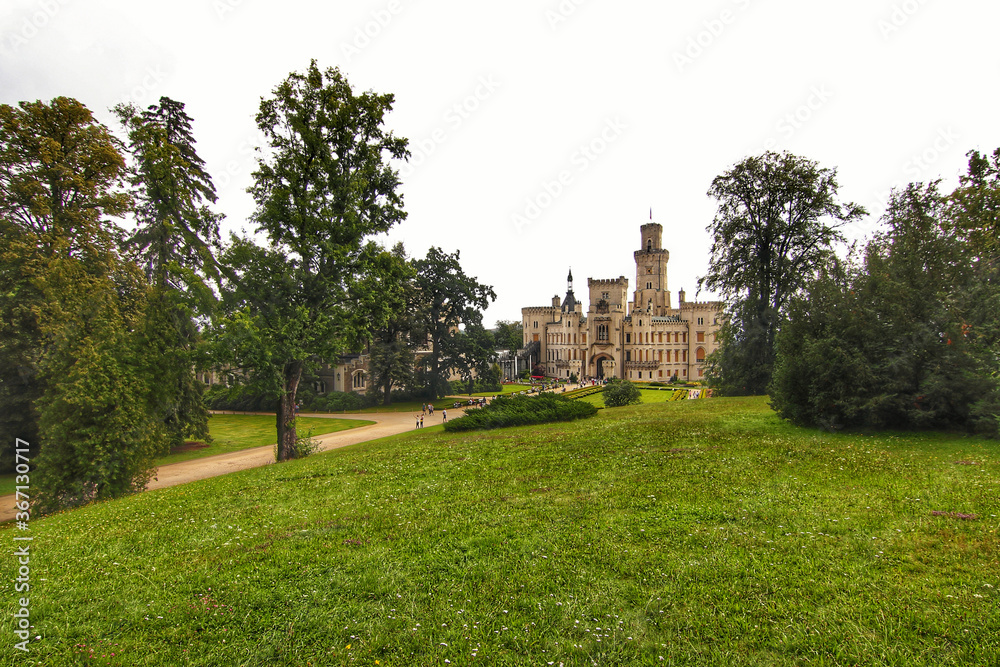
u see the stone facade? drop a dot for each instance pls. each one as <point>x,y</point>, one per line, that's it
<point>643,340</point>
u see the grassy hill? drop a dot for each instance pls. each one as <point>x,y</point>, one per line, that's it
<point>695,532</point>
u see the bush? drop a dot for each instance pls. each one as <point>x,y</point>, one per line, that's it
<point>238,399</point>
<point>521,411</point>
<point>305,445</point>
<point>336,401</point>
<point>621,392</point>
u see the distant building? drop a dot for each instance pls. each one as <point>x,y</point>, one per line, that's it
<point>645,339</point>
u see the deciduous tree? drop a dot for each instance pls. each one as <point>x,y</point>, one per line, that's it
<point>446,297</point>
<point>75,366</point>
<point>324,183</point>
<point>391,352</point>
<point>777,220</point>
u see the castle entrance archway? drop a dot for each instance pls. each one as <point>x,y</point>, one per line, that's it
<point>603,366</point>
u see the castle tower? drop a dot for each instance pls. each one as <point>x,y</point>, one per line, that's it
<point>651,273</point>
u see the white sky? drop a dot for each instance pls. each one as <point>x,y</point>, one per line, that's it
<point>667,94</point>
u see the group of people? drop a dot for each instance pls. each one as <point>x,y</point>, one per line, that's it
<point>428,410</point>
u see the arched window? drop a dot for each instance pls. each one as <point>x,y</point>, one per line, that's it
<point>602,332</point>
<point>699,354</point>
<point>359,380</point>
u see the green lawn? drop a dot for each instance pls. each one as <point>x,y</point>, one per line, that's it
<point>688,533</point>
<point>233,433</point>
<point>648,396</point>
<point>506,389</point>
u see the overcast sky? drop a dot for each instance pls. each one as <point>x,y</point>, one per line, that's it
<point>543,132</point>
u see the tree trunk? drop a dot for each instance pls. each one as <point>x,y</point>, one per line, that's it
<point>286,411</point>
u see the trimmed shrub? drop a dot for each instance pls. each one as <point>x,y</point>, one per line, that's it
<point>521,411</point>
<point>618,393</point>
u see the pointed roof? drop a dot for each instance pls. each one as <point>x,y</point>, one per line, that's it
<point>569,303</point>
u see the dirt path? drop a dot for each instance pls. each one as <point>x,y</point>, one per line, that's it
<point>386,423</point>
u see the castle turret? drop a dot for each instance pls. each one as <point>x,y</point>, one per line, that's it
<point>569,303</point>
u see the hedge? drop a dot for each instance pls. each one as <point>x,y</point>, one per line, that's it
<point>521,411</point>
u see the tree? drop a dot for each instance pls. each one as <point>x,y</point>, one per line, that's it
<point>446,298</point>
<point>777,220</point>
<point>474,356</point>
<point>176,231</point>
<point>173,241</point>
<point>509,335</point>
<point>889,342</point>
<point>324,184</point>
<point>391,356</point>
<point>74,362</point>
<point>974,207</point>
<point>618,393</point>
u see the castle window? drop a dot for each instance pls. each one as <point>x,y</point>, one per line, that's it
<point>699,354</point>
<point>700,336</point>
<point>649,245</point>
<point>701,321</point>
<point>649,285</point>
<point>628,338</point>
<point>602,332</point>
<point>628,355</point>
<point>359,380</point>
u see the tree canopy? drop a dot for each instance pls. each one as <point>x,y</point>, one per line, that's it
<point>448,297</point>
<point>776,223</point>
<point>75,377</point>
<point>898,339</point>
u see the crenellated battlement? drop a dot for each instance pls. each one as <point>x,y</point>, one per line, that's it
<point>607,282</point>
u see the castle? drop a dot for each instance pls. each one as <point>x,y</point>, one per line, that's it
<point>645,339</point>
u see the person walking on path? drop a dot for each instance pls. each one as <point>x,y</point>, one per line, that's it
<point>444,416</point>
<point>421,421</point>
<point>417,418</point>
